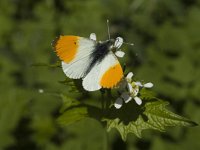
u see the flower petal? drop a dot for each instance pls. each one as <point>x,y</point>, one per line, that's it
<point>119,53</point>
<point>129,76</point>
<point>118,103</point>
<point>138,84</point>
<point>138,100</point>
<point>136,91</point>
<point>93,36</point>
<point>122,85</point>
<point>128,100</point>
<point>148,85</point>
<point>130,88</point>
<point>126,97</point>
<point>118,42</point>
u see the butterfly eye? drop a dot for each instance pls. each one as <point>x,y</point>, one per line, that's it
<point>118,42</point>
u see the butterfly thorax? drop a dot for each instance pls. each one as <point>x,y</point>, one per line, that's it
<point>101,49</point>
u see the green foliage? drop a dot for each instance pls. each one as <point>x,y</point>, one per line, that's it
<point>11,114</point>
<point>73,115</point>
<point>130,119</point>
<point>155,116</point>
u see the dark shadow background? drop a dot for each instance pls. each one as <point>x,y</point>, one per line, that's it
<point>166,34</point>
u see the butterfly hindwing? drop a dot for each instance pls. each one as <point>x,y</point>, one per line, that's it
<point>111,72</point>
<point>106,74</point>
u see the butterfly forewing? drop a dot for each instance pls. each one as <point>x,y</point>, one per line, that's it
<point>74,51</point>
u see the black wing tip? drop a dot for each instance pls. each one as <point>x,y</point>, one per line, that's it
<point>54,42</point>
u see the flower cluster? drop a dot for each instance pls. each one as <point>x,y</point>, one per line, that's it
<point>129,90</point>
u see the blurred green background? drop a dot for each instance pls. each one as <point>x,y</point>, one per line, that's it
<point>166,34</point>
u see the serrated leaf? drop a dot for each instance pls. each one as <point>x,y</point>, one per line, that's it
<point>160,117</point>
<point>154,116</point>
<point>146,94</point>
<point>72,110</point>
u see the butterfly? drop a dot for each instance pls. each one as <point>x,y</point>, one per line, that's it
<point>93,61</point>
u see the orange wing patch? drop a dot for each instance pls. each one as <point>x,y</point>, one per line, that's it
<point>112,76</point>
<point>66,47</point>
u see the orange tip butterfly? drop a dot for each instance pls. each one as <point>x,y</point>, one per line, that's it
<point>91,60</point>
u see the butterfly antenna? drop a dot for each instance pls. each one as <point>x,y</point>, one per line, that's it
<point>108,29</point>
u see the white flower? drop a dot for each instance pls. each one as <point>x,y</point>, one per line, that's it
<point>129,76</point>
<point>126,97</point>
<point>118,103</point>
<point>93,36</point>
<point>138,84</point>
<point>138,100</point>
<point>119,53</point>
<point>123,97</point>
<point>129,90</point>
<point>118,42</point>
<point>148,85</point>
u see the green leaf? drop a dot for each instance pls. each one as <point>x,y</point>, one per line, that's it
<point>86,134</point>
<point>146,94</point>
<point>71,84</point>
<point>159,116</point>
<point>153,115</point>
<point>67,102</point>
<point>72,110</point>
<point>72,115</point>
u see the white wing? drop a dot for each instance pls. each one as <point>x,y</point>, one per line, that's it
<point>106,74</point>
<point>77,68</point>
